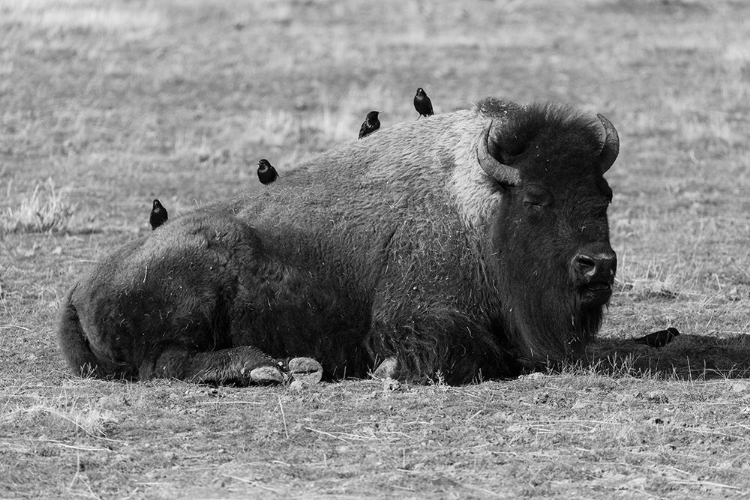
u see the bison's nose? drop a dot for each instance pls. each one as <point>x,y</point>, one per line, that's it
<point>596,267</point>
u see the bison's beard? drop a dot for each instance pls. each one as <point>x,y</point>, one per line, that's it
<point>548,321</point>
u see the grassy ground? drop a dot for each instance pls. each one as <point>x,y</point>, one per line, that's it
<point>105,106</point>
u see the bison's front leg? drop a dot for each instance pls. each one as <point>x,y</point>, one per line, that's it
<point>436,342</point>
<point>243,365</point>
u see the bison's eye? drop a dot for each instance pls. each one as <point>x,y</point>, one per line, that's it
<point>606,190</point>
<point>535,196</point>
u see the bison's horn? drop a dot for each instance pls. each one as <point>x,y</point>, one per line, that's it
<point>502,173</point>
<point>611,147</point>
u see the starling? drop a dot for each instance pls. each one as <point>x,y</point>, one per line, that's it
<point>370,125</point>
<point>422,104</point>
<point>266,173</point>
<point>158,216</point>
<point>658,339</point>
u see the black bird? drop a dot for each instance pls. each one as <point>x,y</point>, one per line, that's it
<point>370,125</point>
<point>422,104</point>
<point>658,339</point>
<point>158,216</point>
<point>266,173</point>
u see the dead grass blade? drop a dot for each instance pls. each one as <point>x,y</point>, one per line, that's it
<point>283,418</point>
<point>708,483</point>
<point>253,483</point>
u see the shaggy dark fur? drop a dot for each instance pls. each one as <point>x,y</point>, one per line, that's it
<point>398,246</point>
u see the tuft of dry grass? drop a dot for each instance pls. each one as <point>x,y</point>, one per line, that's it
<point>89,421</point>
<point>46,209</point>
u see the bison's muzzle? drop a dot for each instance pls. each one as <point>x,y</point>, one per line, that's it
<point>594,273</point>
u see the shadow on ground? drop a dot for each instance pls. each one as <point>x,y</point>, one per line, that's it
<point>688,357</point>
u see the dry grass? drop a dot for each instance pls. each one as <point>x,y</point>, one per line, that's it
<point>46,209</point>
<point>89,422</point>
<point>124,102</point>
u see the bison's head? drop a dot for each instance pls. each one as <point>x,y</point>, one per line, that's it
<point>550,233</point>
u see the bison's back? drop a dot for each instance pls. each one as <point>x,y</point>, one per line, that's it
<point>388,176</point>
<point>385,209</point>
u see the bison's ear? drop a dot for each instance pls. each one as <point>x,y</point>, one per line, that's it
<point>611,147</point>
<point>495,160</point>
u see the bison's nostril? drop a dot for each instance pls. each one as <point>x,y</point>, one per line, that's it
<point>597,267</point>
<point>584,264</point>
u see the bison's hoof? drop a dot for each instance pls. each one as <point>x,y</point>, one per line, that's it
<point>267,375</point>
<point>387,369</point>
<point>305,370</point>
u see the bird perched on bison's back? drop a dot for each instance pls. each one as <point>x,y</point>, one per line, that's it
<point>658,339</point>
<point>422,104</point>
<point>158,216</point>
<point>266,173</point>
<point>370,125</point>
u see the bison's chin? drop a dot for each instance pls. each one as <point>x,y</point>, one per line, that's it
<point>556,323</point>
<point>594,294</point>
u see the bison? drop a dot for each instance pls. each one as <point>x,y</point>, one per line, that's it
<point>471,245</point>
